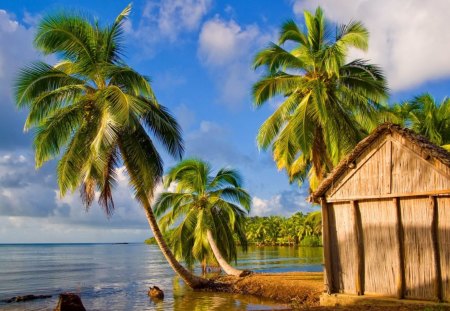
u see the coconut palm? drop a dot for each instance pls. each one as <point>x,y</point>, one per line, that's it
<point>431,119</point>
<point>326,101</point>
<point>95,111</point>
<point>206,210</point>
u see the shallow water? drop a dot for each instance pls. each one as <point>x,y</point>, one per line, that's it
<point>117,276</point>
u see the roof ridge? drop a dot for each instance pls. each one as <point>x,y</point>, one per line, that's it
<point>431,149</point>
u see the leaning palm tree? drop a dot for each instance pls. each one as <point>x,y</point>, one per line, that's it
<point>326,102</point>
<point>95,111</point>
<point>206,210</point>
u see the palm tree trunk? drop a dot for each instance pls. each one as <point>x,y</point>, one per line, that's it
<point>226,267</point>
<point>191,280</point>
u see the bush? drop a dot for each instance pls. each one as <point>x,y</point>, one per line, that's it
<point>311,241</point>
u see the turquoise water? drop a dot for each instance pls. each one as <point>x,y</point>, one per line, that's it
<point>117,276</point>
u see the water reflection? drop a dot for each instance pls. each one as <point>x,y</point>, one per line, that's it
<point>186,299</point>
<point>117,277</point>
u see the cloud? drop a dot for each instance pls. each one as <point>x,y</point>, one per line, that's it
<point>227,49</point>
<point>16,50</point>
<point>284,203</point>
<point>168,20</point>
<point>408,38</point>
<point>212,142</point>
<point>23,190</point>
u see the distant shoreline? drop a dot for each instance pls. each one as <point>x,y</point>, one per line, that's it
<point>70,243</point>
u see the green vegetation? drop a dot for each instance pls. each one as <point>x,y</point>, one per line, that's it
<point>425,116</point>
<point>299,229</point>
<point>95,111</point>
<point>204,208</point>
<point>328,104</point>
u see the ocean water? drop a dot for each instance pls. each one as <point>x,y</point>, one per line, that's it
<point>117,276</point>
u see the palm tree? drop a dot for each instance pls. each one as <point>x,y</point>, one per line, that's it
<point>327,102</point>
<point>431,119</point>
<point>204,209</point>
<point>95,111</point>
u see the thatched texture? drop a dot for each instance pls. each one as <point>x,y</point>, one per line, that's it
<point>419,263</point>
<point>343,248</point>
<point>388,218</point>
<point>444,242</point>
<point>404,141</point>
<point>378,218</point>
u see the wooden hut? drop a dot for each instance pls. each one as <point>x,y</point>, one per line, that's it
<point>386,218</point>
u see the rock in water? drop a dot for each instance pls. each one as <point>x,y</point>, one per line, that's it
<point>69,302</point>
<point>25,298</point>
<point>156,292</point>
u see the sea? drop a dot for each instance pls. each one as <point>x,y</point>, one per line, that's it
<point>117,276</point>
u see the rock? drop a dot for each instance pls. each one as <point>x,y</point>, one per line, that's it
<point>156,292</point>
<point>245,273</point>
<point>26,298</point>
<point>69,302</point>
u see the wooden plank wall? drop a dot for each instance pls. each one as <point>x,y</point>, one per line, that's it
<point>444,244</point>
<point>384,273</point>
<point>419,256</point>
<point>380,245</point>
<point>343,247</point>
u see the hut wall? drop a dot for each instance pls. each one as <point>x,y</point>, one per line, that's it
<point>417,149</point>
<point>412,173</point>
<point>370,176</point>
<point>419,258</point>
<point>343,248</point>
<point>380,247</point>
<point>444,243</point>
<point>389,168</point>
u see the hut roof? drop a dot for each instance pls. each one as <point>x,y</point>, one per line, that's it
<point>428,148</point>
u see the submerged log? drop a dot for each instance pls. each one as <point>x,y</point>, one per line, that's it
<point>69,302</point>
<point>156,293</point>
<point>25,298</point>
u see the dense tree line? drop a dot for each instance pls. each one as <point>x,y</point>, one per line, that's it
<point>298,229</point>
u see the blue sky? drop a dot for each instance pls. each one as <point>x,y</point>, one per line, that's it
<point>198,54</point>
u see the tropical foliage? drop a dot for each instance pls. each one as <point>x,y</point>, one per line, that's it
<point>327,103</point>
<point>203,209</point>
<point>425,116</point>
<point>298,229</point>
<point>95,111</point>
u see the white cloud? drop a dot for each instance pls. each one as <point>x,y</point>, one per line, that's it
<point>284,203</point>
<point>408,38</point>
<point>227,49</point>
<point>30,203</point>
<point>168,20</point>
<point>16,50</point>
<point>224,41</point>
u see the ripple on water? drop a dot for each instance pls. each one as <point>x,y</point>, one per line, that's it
<point>116,277</point>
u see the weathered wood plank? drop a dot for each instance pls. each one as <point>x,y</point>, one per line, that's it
<point>401,282</point>
<point>326,242</point>
<point>437,255</point>
<point>444,192</point>
<point>388,167</point>
<point>359,240</point>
